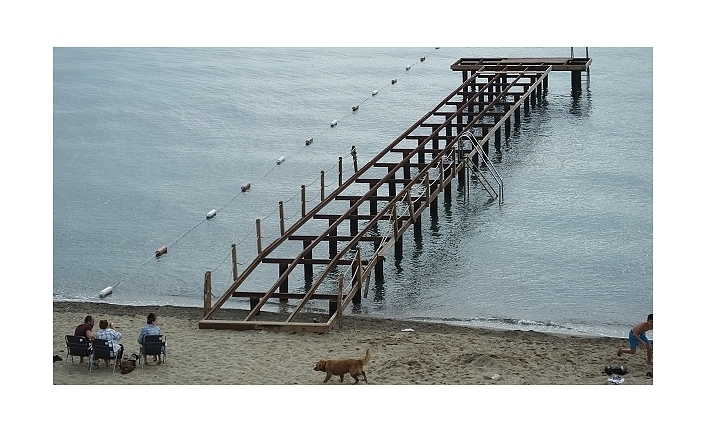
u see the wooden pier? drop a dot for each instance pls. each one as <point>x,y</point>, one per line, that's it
<point>400,183</point>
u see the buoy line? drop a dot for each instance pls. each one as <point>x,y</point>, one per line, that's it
<point>212,213</point>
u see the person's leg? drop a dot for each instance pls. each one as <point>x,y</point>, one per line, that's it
<point>633,345</point>
<point>643,337</point>
<point>622,350</point>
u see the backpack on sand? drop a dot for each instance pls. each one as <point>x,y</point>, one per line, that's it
<point>616,369</point>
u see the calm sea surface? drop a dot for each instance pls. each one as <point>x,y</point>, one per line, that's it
<point>147,141</point>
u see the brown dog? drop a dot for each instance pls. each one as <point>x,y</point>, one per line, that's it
<point>339,367</point>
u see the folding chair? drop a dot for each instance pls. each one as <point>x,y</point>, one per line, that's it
<point>103,349</point>
<point>77,346</point>
<point>153,345</point>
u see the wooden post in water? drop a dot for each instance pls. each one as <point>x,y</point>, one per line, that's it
<point>234,258</point>
<point>303,200</point>
<point>332,244</point>
<point>461,172</point>
<point>354,154</point>
<point>339,305</point>
<point>284,287</point>
<point>357,279</point>
<point>308,267</point>
<point>340,171</point>
<point>207,293</point>
<point>398,239</point>
<point>379,273</point>
<point>354,219</point>
<point>373,206</point>
<point>323,187</point>
<point>575,82</point>
<point>259,236</point>
<point>281,218</point>
<point>391,184</point>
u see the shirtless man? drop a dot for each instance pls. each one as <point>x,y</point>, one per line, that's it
<point>637,336</point>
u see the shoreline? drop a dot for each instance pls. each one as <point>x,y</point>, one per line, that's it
<point>430,354</point>
<point>239,313</point>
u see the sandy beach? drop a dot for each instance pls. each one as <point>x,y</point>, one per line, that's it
<point>402,353</point>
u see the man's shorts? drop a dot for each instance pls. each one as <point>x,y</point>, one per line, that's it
<point>634,342</point>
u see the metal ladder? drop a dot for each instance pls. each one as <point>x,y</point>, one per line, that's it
<point>476,169</point>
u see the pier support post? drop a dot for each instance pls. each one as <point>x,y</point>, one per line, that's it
<point>391,184</point>
<point>207,293</point>
<point>397,234</point>
<point>417,221</point>
<point>356,280</point>
<point>333,244</point>
<point>234,258</point>
<point>461,172</point>
<point>575,82</point>
<point>373,206</point>
<point>379,273</point>
<point>354,220</point>
<point>284,287</point>
<point>308,268</point>
<point>253,304</point>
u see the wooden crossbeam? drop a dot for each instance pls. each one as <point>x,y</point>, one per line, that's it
<point>341,238</point>
<point>240,325</point>
<point>289,260</point>
<point>280,295</point>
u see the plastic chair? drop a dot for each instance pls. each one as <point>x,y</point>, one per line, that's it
<point>103,349</point>
<point>77,346</point>
<point>153,345</point>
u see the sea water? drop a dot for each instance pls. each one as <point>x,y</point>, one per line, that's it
<point>147,141</point>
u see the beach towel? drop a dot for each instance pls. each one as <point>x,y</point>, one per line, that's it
<point>616,379</point>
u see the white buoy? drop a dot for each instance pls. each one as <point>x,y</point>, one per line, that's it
<point>375,92</point>
<point>105,292</point>
<point>280,160</point>
<point>160,251</point>
<point>211,214</point>
<point>334,122</point>
<point>245,187</point>
<point>409,66</point>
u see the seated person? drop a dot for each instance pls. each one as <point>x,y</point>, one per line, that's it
<point>150,329</point>
<point>85,329</point>
<point>107,332</point>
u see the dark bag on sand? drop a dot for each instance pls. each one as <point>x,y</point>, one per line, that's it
<point>616,369</point>
<point>126,366</point>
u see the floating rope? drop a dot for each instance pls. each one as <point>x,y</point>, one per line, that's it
<point>307,143</point>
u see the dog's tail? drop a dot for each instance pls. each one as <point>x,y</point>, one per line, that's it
<point>366,359</point>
